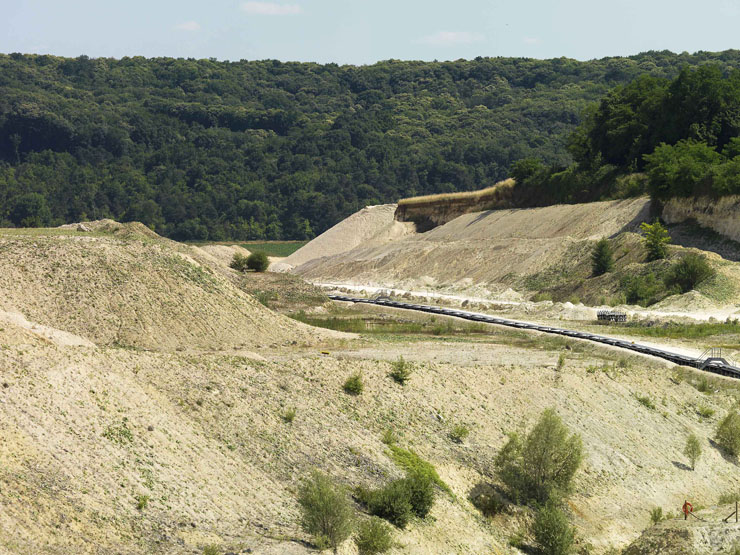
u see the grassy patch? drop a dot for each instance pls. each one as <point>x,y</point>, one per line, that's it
<point>274,248</point>
<point>373,325</point>
<point>675,330</point>
<point>414,464</point>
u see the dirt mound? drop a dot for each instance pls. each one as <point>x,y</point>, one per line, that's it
<point>223,254</point>
<point>479,248</point>
<point>122,284</point>
<point>373,225</point>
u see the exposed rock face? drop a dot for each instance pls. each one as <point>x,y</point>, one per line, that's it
<point>722,214</point>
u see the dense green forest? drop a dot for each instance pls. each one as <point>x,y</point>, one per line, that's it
<point>204,149</point>
<point>678,137</point>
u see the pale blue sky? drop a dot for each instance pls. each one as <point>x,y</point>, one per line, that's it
<point>365,31</point>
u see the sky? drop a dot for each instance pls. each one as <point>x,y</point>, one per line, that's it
<point>366,31</point>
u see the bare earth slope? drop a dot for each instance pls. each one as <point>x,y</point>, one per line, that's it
<point>372,225</point>
<point>482,247</point>
<point>123,284</point>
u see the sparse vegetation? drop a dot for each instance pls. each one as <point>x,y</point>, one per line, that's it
<point>119,433</point>
<point>552,532</point>
<point>692,450</point>
<point>645,401</point>
<point>414,464</point>
<point>354,384</point>
<point>326,512</point>
<point>142,502</point>
<point>212,550</point>
<point>288,415</point>
<point>373,536</point>
<point>459,433</point>
<point>602,258</point>
<point>704,411</point>
<point>656,515</point>
<point>399,500</point>
<point>258,262</point>
<point>389,437</point>
<point>729,497</point>
<point>542,465</point>
<point>401,371</point>
<point>727,434</point>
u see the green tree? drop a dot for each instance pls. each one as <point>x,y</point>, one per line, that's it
<point>30,210</point>
<point>727,434</point>
<point>542,465</point>
<point>602,257</point>
<point>326,512</point>
<point>692,449</point>
<point>655,239</point>
<point>258,262</point>
<point>688,272</point>
<point>680,169</point>
<point>552,532</point>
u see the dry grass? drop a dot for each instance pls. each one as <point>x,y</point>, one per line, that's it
<point>494,193</point>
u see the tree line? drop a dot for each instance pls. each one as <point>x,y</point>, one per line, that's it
<point>206,149</point>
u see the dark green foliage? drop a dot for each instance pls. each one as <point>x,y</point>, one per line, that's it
<point>552,533</point>
<point>373,536</point>
<point>602,257</point>
<point>326,512</point>
<point>202,149</point>
<point>542,465</point>
<point>390,502</point>
<point>354,385</point>
<point>727,434</point>
<point>655,238</point>
<point>643,289</point>
<point>688,272</point>
<point>239,263</point>
<point>258,262</point>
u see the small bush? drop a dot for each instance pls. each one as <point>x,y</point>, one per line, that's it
<point>414,464</point>
<point>258,262</point>
<point>517,540</point>
<point>354,385</point>
<point>602,258</point>
<point>551,530</point>
<point>489,502</point>
<point>326,512</point>
<point>459,432</point>
<point>704,411</point>
<point>542,465</point>
<point>656,515</point>
<point>704,386</point>
<point>689,272</point>
<point>239,263</point>
<point>542,296</point>
<point>645,401</point>
<point>142,502</point>
<point>727,434</point>
<point>561,363</point>
<point>390,502</point>
<point>288,415</point>
<point>389,437</point>
<point>373,536</point>
<point>211,550</point>
<point>692,449</point>
<point>729,497</point>
<point>400,371</point>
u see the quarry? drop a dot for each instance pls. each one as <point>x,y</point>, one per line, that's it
<point>153,399</point>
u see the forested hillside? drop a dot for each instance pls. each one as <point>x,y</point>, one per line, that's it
<point>202,149</point>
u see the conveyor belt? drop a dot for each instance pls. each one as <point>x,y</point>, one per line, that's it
<point>714,367</point>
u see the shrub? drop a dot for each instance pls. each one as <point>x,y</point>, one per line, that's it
<point>211,550</point>
<point>258,261</point>
<point>373,536</point>
<point>692,449</point>
<point>489,502</point>
<point>602,258</point>
<point>142,502</point>
<point>288,415</point>
<point>655,239</point>
<point>645,401</point>
<point>542,465</point>
<point>542,296</point>
<point>727,434</point>
<point>354,385</point>
<point>389,437</point>
<point>239,263</point>
<point>704,411</point>
<point>644,289</point>
<point>400,371</point>
<point>326,512</point>
<point>656,515</point>
<point>459,432</point>
<point>390,502</point>
<point>688,272</point>
<point>729,497</point>
<point>561,362</point>
<point>398,501</point>
<point>551,530</point>
<point>414,464</point>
